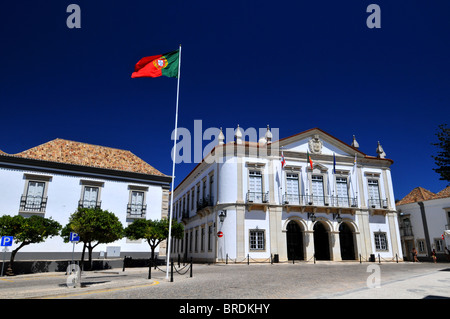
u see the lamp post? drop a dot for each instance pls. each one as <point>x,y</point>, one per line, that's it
<point>222,215</point>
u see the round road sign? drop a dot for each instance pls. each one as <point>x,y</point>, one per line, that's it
<point>220,234</point>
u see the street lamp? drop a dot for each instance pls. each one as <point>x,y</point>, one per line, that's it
<point>337,217</point>
<point>222,215</point>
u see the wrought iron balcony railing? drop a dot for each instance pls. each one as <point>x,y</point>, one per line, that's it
<point>257,197</point>
<point>315,200</point>
<point>33,203</point>
<point>89,204</point>
<point>406,231</point>
<point>377,203</point>
<point>136,210</point>
<point>205,202</point>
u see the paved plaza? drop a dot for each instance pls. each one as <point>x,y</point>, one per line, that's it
<point>324,280</point>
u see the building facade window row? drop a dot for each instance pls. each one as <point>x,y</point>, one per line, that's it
<point>34,198</point>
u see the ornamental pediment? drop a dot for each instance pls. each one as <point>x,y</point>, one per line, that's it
<point>317,142</point>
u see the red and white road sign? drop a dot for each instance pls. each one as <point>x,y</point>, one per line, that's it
<point>220,234</point>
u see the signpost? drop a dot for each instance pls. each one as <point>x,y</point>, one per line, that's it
<point>5,242</point>
<point>74,238</point>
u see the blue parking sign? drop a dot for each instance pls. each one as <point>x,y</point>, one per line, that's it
<point>7,241</point>
<point>74,237</point>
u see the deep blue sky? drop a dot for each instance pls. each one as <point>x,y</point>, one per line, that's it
<point>293,65</point>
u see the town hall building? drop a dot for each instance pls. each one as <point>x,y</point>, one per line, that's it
<point>301,197</point>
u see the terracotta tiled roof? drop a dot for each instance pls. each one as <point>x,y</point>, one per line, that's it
<point>70,152</point>
<point>444,193</point>
<point>416,195</point>
<point>419,194</point>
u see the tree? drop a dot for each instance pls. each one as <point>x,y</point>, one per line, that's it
<point>32,230</point>
<point>154,231</point>
<point>94,226</point>
<point>442,160</point>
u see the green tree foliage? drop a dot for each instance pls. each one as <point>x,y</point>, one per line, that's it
<point>32,230</point>
<point>94,226</point>
<point>154,231</point>
<point>442,159</point>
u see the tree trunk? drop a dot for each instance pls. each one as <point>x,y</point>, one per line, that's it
<point>9,271</point>
<point>90,248</point>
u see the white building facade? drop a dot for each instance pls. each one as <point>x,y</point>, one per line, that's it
<point>55,178</point>
<point>242,203</point>
<point>424,219</point>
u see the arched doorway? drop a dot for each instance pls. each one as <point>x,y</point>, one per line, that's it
<point>321,242</point>
<point>294,237</point>
<point>347,242</point>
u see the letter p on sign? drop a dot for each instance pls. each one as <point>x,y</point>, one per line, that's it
<point>7,240</point>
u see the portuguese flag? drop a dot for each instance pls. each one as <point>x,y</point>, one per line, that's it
<point>309,160</point>
<point>154,66</point>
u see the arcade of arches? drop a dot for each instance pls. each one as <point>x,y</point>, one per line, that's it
<point>320,241</point>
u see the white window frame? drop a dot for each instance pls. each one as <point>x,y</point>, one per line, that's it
<point>381,243</point>
<point>257,240</point>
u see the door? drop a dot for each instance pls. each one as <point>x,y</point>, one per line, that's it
<point>255,186</point>
<point>374,193</point>
<point>342,192</point>
<point>294,237</point>
<point>137,203</point>
<point>317,190</point>
<point>35,194</point>
<point>347,242</point>
<point>321,242</point>
<point>90,197</point>
<point>292,189</point>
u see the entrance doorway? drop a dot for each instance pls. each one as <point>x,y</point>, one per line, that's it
<point>294,236</point>
<point>321,242</point>
<point>347,242</point>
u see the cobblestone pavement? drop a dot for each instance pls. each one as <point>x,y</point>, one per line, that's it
<point>241,281</point>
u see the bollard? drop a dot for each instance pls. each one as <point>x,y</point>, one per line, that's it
<point>271,259</point>
<point>314,258</point>
<point>190,275</point>
<point>379,259</point>
<point>226,260</point>
<point>124,260</point>
<point>396,258</point>
<point>150,270</point>
<point>179,260</point>
<point>360,259</point>
<point>293,261</point>
<point>171,270</point>
<point>248,259</point>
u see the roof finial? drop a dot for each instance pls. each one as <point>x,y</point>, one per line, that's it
<point>380,151</point>
<point>221,137</point>
<point>355,144</point>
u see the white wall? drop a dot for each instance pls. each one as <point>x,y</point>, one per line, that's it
<point>64,192</point>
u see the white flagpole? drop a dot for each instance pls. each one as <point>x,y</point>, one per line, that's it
<point>169,239</point>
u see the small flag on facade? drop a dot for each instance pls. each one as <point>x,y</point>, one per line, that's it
<point>334,163</point>
<point>309,160</point>
<point>283,161</point>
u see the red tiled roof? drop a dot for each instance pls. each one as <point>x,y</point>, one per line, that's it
<point>444,193</point>
<point>419,194</point>
<point>77,153</point>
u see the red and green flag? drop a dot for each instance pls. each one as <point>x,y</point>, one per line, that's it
<point>157,65</point>
<point>309,160</point>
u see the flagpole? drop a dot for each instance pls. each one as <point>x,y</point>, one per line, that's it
<point>169,239</point>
